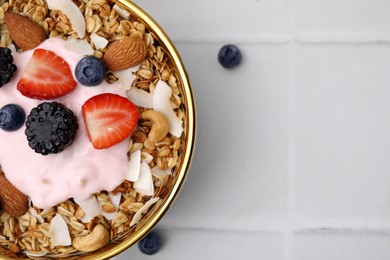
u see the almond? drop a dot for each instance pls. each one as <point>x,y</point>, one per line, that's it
<point>14,202</point>
<point>128,52</point>
<point>25,33</point>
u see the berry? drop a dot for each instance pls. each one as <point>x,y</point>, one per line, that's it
<point>109,119</point>
<point>150,244</point>
<point>229,56</point>
<point>7,69</point>
<point>46,76</point>
<point>50,128</point>
<point>90,71</point>
<point>11,117</point>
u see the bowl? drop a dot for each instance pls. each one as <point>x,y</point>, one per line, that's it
<point>170,191</point>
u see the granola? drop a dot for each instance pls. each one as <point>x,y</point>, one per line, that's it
<point>31,233</point>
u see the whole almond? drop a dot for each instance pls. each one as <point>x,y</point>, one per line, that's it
<point>128,52</point>
<point>13,202</point>
<point>25,33</point>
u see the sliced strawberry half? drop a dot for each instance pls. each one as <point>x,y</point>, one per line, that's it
<point>109,119</point>
<point>46,76</point>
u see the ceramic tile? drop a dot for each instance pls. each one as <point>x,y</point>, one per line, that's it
<point>341,132</point>
<point>341,246</point>
<point>343,16</point>
<point>219,20</point>
<point>239,171</point>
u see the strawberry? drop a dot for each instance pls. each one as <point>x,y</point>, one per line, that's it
<point>46,76</point>
<point>109,119</point>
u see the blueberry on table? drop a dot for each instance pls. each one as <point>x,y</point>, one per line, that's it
<point>12,117</point>
<point>150,244</point>
<point>90,71</point>
<point>229,56</point>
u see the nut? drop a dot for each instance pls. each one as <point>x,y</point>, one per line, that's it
<point>14,202</point>
<point>145,73</point>
<point>138,137</point>
<point>14,248</point>
<point>25,33</point>
<point>79,213</point>
<point>160,125</point>
<point>98,238</point>
<point>108,207</point>
<point>126,53</point>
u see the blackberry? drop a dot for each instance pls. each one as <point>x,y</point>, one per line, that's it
<point>50,128</point>
<point>7,68</point>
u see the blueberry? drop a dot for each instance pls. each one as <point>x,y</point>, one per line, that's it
<point>229,56</point>
<point>11,117</point>
<point>90,71</point>
<point>150,244</point>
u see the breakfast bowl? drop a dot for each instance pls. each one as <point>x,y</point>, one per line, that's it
<point>103,216</point>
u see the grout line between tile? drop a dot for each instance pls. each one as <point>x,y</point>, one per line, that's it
<point>341,38</point>
<point>342,226</point>
<point>289,232</point>
<point>287,229</point>
<point>262,39</point>
<point>261,226</point>
<point>299,38</point>
<point>265,230</point>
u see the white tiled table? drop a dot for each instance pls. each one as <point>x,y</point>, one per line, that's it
<point>293,147</point>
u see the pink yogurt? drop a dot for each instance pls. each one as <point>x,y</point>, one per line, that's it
<point>77,172</point>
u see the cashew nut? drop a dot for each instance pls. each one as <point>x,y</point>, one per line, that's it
<point>98,238</point>
<point>160,125</point>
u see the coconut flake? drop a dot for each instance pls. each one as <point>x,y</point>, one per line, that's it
<point>140,97</point>
<point>142,210</point>
<point>149,39</point>
<point>121,12</point>
<point>133,171</point>
<point>161,174</point>
<point>59,233</point>
<point>162,104</point>
<point>34,254</point>
<point>90,207</point>
<point>12,48</point>
<point>72,12</point>
<point>126,76</point>
<point>80,46</point>
<point>148,158</point>
<point>98,41</point>
<point>35,214</point>
<point>144,184</point>
<point>115,200</point>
